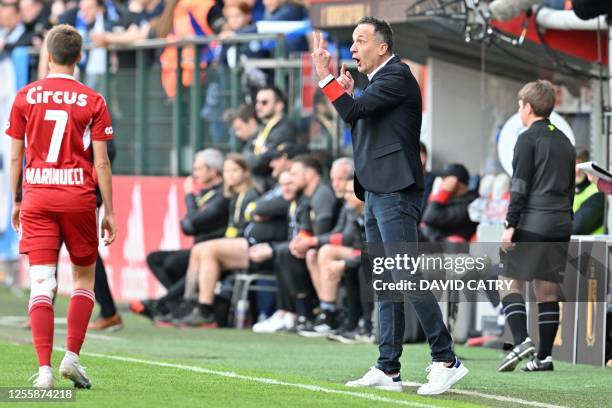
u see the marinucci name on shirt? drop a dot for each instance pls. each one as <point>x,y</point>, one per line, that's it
<point>61,177</point>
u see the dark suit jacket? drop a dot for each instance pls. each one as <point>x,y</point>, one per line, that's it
<point>386,126</point>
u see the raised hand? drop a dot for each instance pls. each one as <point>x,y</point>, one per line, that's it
<point>346,80</point>
<point>321,58</point>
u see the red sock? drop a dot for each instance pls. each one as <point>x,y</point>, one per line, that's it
<point>41,321</point>
<point>79,313</point>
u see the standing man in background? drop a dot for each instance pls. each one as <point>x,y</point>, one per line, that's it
<point>385,122</point>
<point>540,214</point>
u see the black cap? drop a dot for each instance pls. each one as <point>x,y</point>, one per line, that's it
<point>457,170</point>
<point>289,150</point>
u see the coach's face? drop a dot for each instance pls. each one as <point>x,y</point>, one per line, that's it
<point>367,51</point>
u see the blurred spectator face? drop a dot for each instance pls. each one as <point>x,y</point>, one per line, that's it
<point>201,172</point>
<point>272,5</point>
<point>582,156</point>
<point>279,165</point>
<point>89,9</point>
<point>286,185</point>
<point>244,130</point>
<point>235,17</point>
<point>349,195</point>
<point>266,105</point>
<point>299,176</point>
<point>9,15</point>
<point>29,10</point>
<point>233,175</point>
<point>338,175</point>
<point>366,50</point>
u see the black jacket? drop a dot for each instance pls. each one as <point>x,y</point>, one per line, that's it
<point>207,213</point>
<point>543,179</point>
<point>386,126</point>
<point>282,132</point>
<point>451,218</point>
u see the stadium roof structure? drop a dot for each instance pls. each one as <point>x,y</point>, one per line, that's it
<point>461,32</point>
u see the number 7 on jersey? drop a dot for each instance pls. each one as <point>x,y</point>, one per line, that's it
<point>60,117</point>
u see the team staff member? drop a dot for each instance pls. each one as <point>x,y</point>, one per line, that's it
<point>540,212</point>
<point>386,123</point>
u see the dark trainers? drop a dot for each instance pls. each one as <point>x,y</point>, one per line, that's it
<point>324,324</point>
<point>524,350</point>
<point>539,365</point>
<point>195,319</point>
<point>302,324</point>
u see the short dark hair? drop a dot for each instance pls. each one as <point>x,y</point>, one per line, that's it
<point>382,30</point>
<point>540,95</point>
<point>64,44</point>
<point>278,94</point>
<point>582,153</point>
<point>244,112</point>
<point>12,4</point>
<point>310,162</point>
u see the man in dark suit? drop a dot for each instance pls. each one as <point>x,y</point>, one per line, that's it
<point>385,123</point>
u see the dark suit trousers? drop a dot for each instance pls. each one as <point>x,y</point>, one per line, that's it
<point>392,218</point>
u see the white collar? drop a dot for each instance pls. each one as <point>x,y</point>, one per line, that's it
<point>370,76</point>
<point>65,76</point>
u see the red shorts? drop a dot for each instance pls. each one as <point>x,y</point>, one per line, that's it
<point>45,231</point>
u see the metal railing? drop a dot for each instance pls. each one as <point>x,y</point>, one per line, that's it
<point>185,120</point>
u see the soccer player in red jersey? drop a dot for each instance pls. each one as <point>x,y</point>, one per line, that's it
<point>62,126</point>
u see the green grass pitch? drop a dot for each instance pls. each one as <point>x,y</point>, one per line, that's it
<point>222,368</point>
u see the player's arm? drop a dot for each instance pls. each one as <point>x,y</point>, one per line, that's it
<point>102,165</point>
<point>16,179</point>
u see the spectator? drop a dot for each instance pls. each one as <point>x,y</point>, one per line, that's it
<point>312,213</point>
<point>244,125</point>
<point>284,10</point>
<point>88,18</point>
<point>604,186</point>
<point>588,204</point>
<point>35,16</point>
<point>206,218</point>
<point>336,247</point>
<point>208,259</point>
<point>446,216</point>
<point>138,25</point>
<point>277,128</point>
<point>14,34</point>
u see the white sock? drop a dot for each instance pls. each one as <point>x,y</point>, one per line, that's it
<point>45,369</point>
<point>72,356</point>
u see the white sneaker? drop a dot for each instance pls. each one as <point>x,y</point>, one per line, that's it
<point>44,379</point>
<point>377,379</point>
<point>272,324</point>
<point>71,369</point>
<point>441,378</point>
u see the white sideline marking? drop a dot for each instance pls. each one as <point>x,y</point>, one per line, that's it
<point>370,397</point>
<point>490,396</point>
<point>271,381</point>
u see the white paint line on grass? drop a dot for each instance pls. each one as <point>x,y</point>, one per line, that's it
<point>270,381</point>
<point>317,388</point>
<point>490,396</point>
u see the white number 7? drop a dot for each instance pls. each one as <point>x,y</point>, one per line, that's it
<point>60,118</point>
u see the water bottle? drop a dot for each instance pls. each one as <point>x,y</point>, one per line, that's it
<point>242,309</point>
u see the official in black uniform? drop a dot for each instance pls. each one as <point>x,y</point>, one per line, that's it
<point>539,221</point>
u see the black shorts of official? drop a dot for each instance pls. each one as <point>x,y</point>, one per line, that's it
<point>536,257</point>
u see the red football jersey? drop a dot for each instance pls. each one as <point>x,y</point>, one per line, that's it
<point>58,117</point>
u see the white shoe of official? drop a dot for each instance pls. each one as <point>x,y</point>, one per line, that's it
<point>71,369</point>
<point>375,378</point>
<point>44,379</point>
<point>272,324</point>
<point>441,378</point>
